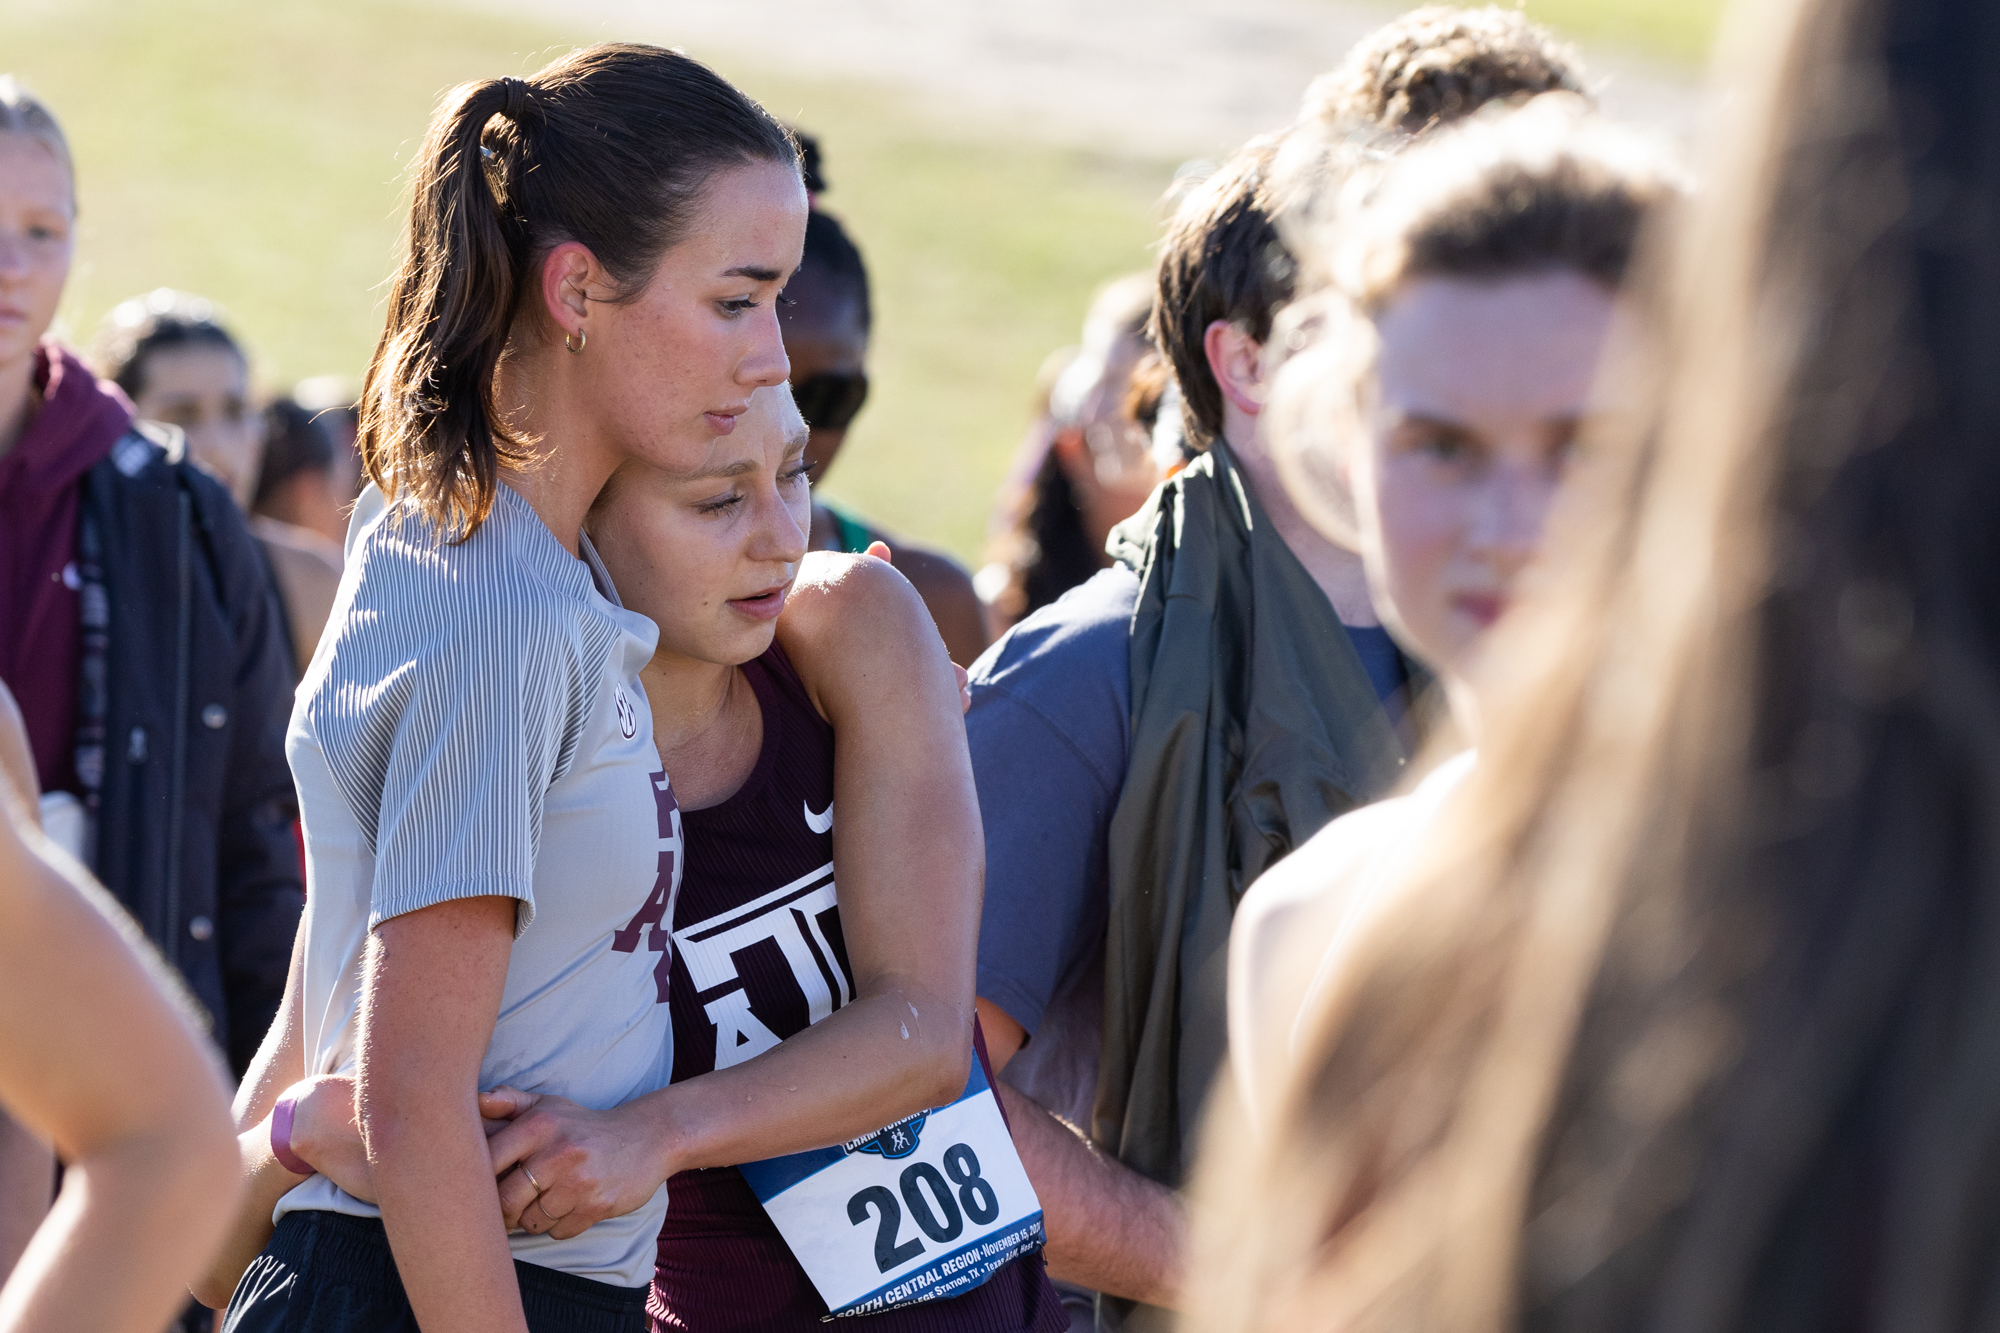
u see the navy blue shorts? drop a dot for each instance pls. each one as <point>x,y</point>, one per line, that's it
<point>331,1273</point>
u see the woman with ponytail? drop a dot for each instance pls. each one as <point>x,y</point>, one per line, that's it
<point>822,977</point>
<point>588,278</point>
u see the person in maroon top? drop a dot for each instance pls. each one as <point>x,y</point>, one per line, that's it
<point>847,1012</point>
<point>141,634</point>
<point>758,904</point>
<point>759,907</point>
<point>801,1028</point>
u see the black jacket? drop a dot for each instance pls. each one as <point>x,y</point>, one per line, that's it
<point>194,832</point>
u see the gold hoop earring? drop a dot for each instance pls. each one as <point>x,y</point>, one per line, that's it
<point>582,339</point>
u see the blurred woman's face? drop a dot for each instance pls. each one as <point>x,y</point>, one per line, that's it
<point>709,553</point>
<point>36,219</point>
<point>205,390</point>
<point>1108,456</point>
<point>1480,388</point>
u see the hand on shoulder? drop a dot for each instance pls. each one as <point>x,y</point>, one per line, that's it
<point>849,613</point>
<point>834,588</point>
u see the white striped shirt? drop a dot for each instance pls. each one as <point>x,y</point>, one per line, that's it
<point>473,724</point>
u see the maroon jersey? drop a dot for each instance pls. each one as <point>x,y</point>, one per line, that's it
<point>758,956</point>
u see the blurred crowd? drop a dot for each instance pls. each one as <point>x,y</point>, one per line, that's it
<point>1462,803</point>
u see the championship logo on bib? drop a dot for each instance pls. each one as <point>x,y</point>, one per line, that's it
<point>898,1140</point>
<point>926,1208</point>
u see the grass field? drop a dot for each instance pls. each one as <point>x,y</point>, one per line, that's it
<point>1678,31</point>
<point>253,152</point>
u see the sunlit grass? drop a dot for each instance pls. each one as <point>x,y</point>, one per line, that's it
<point>1679,31</point>
<point>254,153</point>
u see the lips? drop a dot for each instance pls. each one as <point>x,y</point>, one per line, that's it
<point>723,422</point>
<point>1481,607</point>
<point>763,605</point>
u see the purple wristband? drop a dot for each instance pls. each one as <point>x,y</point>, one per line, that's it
<point>281,1135</point>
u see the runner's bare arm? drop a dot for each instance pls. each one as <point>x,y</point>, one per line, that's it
<point>27,1187</point>
<point>280,1060</point>
<point>326,1136</point>
<point>17,762</point>
<point>101,1059</point>
<point>279,1063</point>
<point>431,991</point>
<point>263,1180</point>
<point>947,591</point>
<point>1110,1228</point>
<point>908,861</point>
<point>27,1165</point>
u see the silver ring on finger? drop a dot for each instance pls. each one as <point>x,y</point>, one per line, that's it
<point>531,1178</point>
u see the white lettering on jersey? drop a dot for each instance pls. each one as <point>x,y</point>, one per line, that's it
<point>822,822</point>
<point>794,917</point>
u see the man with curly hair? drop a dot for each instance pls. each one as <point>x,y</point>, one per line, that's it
<point>1118,735</point>
<point>1438,64</point>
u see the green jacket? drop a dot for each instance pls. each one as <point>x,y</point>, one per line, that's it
<point>1254,723</point>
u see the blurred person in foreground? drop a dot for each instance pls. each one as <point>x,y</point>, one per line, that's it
<point>140,633</point>
<point>1686,1019</point>
<point>1430,423</point>
<point>827,322</point>
<point>181,366</point>
<point>27,1165</point>
<point>1150,743</point>
<point>1094,466</point>
<point>103,1057</point>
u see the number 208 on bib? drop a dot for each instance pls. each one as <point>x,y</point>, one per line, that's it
<point>925,1209</point>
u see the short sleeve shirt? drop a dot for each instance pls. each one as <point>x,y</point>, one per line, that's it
<point>472,724</point>
<point>1049,729</point>
<point>1051,706</point>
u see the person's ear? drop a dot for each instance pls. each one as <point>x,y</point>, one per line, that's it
<point>1073,456</point>
<point>569,273</point>
<point>1237,362</point>
<point>1349,473</point>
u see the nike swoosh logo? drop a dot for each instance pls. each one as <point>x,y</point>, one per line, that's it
<point>821,822</point>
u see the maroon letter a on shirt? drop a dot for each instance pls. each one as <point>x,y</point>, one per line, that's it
<point>654,911</point>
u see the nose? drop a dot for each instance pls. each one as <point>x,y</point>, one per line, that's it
<point>13,256</point>
<point>1509,516</point>
<point>764,362</point>
<point>207,447</point>
<point>780,535</point>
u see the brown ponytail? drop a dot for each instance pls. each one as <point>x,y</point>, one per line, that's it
<point>610,147</point>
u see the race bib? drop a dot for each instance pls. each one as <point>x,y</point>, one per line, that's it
<point>927,1208</point>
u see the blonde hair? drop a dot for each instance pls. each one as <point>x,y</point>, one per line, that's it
<point>21,112</point>
<point>1521,1074</point>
